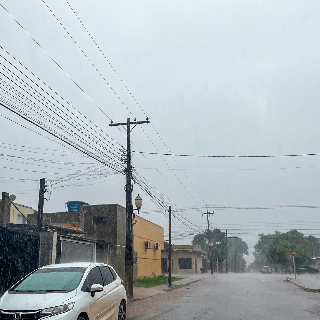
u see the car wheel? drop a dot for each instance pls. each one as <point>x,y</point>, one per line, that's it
<point>81,317</point>
<point>122,311</point>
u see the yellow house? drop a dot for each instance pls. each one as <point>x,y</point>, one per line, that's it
<point>16,217</point>
<point>148,239</point>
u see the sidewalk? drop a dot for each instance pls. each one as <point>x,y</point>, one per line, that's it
<point>142,293</point>
<point>306,281</point>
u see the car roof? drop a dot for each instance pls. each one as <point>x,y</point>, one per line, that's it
<point>74,265</point>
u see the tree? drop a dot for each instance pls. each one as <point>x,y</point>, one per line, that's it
<point>279,253</point>
<point>278,240</point>
<point>236,249</point>
<point>236,246</point>
<point>261,248</point>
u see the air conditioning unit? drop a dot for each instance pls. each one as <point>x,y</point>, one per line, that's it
<point>157,246</point>
<point>148,244</point>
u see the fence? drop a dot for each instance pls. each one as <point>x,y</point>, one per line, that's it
<point>19,255</point>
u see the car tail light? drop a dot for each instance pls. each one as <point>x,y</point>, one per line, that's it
<point>122,282</point>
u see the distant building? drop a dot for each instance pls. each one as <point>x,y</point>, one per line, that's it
<point>106,225</point>
<point>10,214</point>
<point>186,259</point>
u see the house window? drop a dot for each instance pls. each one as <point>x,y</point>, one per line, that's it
<point>21,219</point>
<point>185,263</point>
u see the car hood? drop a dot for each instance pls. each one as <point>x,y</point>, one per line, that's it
<point>27,301</point>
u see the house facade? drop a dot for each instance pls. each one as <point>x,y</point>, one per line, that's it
<point>148,240</point>
<point>186,259</point>
<point>10,213</point>
<point>106,225</point>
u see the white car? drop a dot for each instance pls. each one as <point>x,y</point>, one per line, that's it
<point>71,291</point>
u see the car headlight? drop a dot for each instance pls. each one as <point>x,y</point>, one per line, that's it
<point>57,310</point>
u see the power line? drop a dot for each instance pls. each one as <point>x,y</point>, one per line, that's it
<point>46,118</point>
<point>211,156</point>
<point>56,136</point>
<point>89,60</point>
<point>59,97</point>
<point>243,169</point>
<point>70,122</point>
<point>130,93</point>
<point>55,62</point>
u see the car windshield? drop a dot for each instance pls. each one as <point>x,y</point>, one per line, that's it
<point>51,279</point>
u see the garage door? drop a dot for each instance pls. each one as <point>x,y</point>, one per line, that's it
<point>77,251</point>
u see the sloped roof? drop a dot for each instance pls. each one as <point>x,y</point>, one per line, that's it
<point>70,226</point>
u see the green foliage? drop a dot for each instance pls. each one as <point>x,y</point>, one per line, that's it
<point>152,282</point>
<point>279,253</point>
<point>274,249</point>
<point>236,246</point>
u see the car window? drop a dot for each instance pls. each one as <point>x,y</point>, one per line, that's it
<point>51,279</point>
<point>94,277</point>
<point>107,275</point>
<point>113,273</point>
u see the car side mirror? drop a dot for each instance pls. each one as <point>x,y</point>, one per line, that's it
<point>96,288</point>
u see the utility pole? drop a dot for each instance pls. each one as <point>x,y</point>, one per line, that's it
<point>42,191</point>
<point>217,265</point>
<point>226,251</point>
<point>170,249</point>
<point>129,208</point>
<point>235,263</point>
<point>4,209</point>
<point>210,243</point>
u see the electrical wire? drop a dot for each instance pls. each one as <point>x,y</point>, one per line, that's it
<point>21,96</point>
<point>55,62</point>
<point>70,121</point>
<point>87,57</point>
<point>130,93</point>
<point>211,156</point>
<point>78,117</point>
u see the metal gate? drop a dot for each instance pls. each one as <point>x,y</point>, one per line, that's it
<point>19,255</point>
<point>74,250</point>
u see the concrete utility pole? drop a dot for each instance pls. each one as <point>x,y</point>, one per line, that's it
<point>42,191</point>
<point>129,208</point>
<point>5,209</point>
<point>210,243</point>
<point>170,249</point>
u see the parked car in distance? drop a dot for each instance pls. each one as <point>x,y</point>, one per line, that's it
<point>266,269</point>
<point>306,269</point>
<point>70,291</point>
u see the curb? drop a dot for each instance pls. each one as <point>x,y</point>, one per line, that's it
<point>165,290</point>
<point>181,285</point>
<point>302,287</point>
<point>296,284</point>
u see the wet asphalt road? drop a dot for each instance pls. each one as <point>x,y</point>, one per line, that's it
<point>232,296</point>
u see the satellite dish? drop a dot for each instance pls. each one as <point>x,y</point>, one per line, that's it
<point>12,197</point>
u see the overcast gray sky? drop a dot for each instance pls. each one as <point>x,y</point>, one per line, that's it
<point>214,77</point>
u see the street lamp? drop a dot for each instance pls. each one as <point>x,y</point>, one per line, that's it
<point>138,202</point>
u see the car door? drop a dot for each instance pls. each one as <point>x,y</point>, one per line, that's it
<point>110,292</point>
<point>97,304</point>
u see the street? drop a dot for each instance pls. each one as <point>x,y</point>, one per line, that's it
<point>243,296</point>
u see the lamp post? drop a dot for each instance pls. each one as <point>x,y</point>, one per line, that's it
<point>129,275</point>
<point>138,203</point>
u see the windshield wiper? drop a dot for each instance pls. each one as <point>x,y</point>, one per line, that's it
<point>37,291</point>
